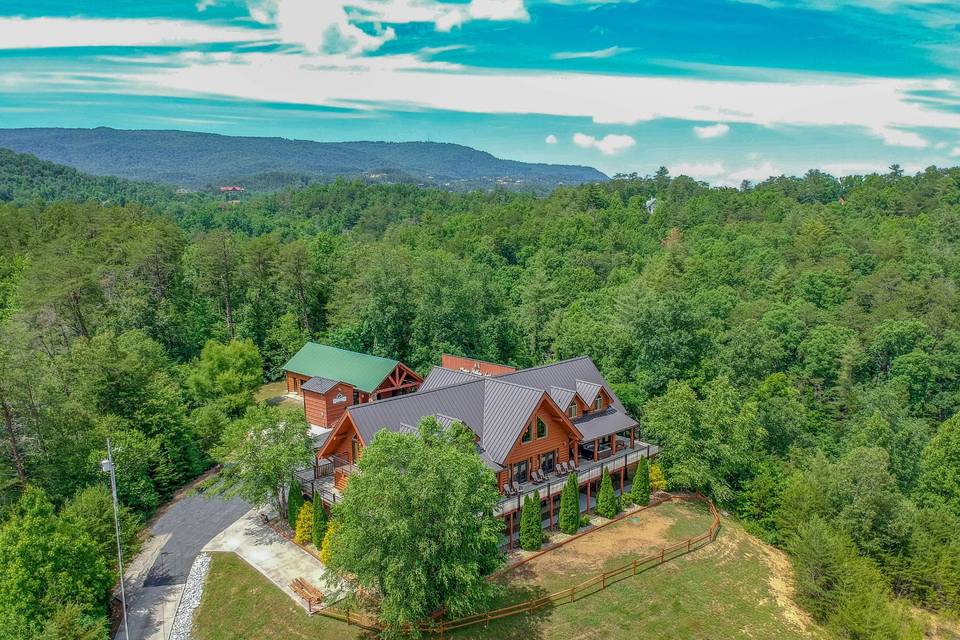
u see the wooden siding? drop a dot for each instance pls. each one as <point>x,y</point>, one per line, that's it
<point>560,437</point>
<point>401,380</point>
<point>321,410</point>
<point>340,439</point>
<point>294,381</point>
<point>457,363</point>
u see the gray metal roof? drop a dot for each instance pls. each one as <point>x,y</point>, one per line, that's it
<point>496,408</point>
<point>319,385</point>
<point>564,375</point>
<point>597,425</point>
<point>588,390</point>
<point>441,377</point>
<point>563,397</point>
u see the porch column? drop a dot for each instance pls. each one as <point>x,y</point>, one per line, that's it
<point>613,443</point>
<point>633,432</point>
<point>588,498</point>
<point>623,472</point>
<point>510,531</point>
<point>596,449</point>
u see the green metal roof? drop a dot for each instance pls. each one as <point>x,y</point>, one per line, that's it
<point>363,371</point>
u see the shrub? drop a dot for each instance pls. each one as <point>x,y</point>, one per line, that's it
<point>584,520</point>
<point>640,492</point>
<point>657,480</point>
<point>294,502</point>
<point>319,528</point>
<point>303,532</point>
<point>570,506</point>
<point>608,505</point>
<point>531,532</point>
<point>327,537</point>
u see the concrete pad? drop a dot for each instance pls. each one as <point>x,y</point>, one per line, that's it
<point>278,559</point>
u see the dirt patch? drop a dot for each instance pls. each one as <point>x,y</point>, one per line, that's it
<point>635,535</point>
<point>782,586</point>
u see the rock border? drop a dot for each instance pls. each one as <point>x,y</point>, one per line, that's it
<point>182,628</point>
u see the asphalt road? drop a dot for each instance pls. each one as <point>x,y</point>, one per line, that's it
<point>156,576</point>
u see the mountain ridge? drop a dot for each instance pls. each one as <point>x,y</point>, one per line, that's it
<point>200,160</point>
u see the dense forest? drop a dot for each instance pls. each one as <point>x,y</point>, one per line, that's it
<point>793,345</point>
<point>198,160</point>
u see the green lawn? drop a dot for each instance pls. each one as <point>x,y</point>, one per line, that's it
<point>733,587</point>
<point>274,393</point>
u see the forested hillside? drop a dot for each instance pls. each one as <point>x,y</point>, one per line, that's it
<point>198,160</point>
<point>794,346</point>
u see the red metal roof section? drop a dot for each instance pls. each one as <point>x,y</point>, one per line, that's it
<point>471,365</point>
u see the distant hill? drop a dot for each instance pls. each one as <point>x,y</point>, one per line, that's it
<point>198,160</point>
<point>24,178</point>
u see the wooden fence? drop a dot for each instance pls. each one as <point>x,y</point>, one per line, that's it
<point>588,587</point>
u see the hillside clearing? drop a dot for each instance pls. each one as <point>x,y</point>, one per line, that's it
<point>734,587</point>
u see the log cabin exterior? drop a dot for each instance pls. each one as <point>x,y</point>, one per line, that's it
<point>331,379</point>
<point>529,424</point>
<point>472,365</point>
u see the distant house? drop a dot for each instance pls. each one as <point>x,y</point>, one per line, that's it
<point>529,426</point>
<point>330,379</point>
<point>470,365</point>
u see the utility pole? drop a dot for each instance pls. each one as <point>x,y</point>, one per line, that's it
<point>107,466</point>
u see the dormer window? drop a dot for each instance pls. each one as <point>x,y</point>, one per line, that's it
<point>572,410</point>
<point>598,403</point>
<point>541,428</point>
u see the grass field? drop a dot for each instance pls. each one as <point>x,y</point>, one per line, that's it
<point>733,587</point>
<point>274,393</point>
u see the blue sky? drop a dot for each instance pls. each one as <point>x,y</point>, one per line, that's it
<point>723,90</point>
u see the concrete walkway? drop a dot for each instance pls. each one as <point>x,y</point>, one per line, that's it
<point>277,558</point>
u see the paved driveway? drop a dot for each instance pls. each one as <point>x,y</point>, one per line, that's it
<point>156,576</point>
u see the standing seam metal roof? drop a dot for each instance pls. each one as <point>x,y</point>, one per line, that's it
<point>496,408</point>
<point>362,370</point>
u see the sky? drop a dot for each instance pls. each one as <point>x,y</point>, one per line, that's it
<point>721,90</point>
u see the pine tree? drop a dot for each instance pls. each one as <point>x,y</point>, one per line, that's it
<point>640,492</point>
<point>531,532</point>
<point>294,502</point>
<point>570,506</point>
<point>607,503</point>
<point>302,532</point>
<point>319,521</point>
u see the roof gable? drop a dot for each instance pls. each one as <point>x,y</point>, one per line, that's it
<point>587,391</point>
<point>442,377</point>
<point>362,370</point>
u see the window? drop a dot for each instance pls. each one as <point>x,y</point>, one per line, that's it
<point>541,428</point>
<point>572,410</point>
<point>527,435</point>
<point>520,471</point>
<point>548,462</point>
<point>598,403</point>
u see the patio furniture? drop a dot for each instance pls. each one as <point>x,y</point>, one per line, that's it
<point>561,469</point>
<point>538,477</point>
<point>310,594</point>
<point>516,487</point>
<point>507,490</point>
<point>573,467</point>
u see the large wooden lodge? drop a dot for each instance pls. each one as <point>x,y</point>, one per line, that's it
<point>533,426</point>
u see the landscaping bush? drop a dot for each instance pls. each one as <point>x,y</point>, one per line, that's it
<point>531,533</point>
<point>657,480</point>
<point>570,505</point>
<point>303,532</point>
<point>294,502</point>
<point>584,520</point>
<point>608,505</point>
<point>640,491</point>
<point>327,537</point>
<point>319,528</point>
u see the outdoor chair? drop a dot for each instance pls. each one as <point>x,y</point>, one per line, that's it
<point>538,477</point>
<point>573,467</point>
<point>516,487</point>
<point>561,469</point>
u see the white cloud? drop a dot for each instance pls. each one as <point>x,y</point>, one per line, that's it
<point>839,169</point>
<point>41,33</point>
<point>609,145</point>
<point>551,139</point>
<point>754,173</point>
<point>498,10</point>
<point>898,138</point>
<point>955,152</point>
<point>713,131</point>
<point>609,52</point>
<point>697,170</point>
